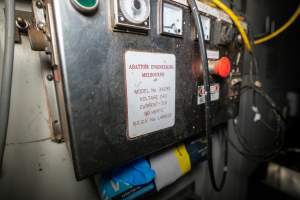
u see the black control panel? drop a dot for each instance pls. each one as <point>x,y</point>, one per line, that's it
<point>132,78</point>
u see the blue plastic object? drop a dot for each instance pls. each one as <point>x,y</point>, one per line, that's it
<point>128,182</point>
<point>137,173</point>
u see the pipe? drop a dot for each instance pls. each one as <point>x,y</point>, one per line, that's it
<point>7,69</point>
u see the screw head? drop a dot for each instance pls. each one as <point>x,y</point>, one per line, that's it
<point>22,24</point>
<point>40,25</point>
<point>47,51</point>
<point>50,77</point>
<point>39,4</point>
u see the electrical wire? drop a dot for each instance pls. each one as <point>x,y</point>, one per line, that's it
<point>7,69</point>
<point>208,128</point>
<point>236,21</point>
<point>281,29</point>
<point>245,38</point>
<point>247,152</point>
<point>262,154</point>
<point>225,163</point>
<point>247,155</point>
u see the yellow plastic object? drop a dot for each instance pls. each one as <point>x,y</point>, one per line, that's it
<point>236,21</point>
<point>183,159</point>
<point>281,29</point>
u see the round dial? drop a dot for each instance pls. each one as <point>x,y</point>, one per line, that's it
<point>135,11</point>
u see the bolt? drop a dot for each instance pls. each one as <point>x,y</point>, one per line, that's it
<point>50,77</point>
<point>41,26</point>
<point>47,51</point>
<point>258,84</point>
<point>146,23</point>
<point>240,39</point>
<point>21,24</point>
<point>122,19</point>
<point>39,4</point>
<point>20,19</point>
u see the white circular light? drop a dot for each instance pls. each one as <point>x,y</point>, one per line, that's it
<point>135,11</point>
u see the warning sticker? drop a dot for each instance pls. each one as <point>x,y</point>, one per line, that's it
<point>150,89</point>
<point>214,93</point>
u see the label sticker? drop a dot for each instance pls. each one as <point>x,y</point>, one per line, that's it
<point>150,90</point>
<point>214,55</point>
<point>214,93</point>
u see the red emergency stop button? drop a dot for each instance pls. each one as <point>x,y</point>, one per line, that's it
<point>221,67</point>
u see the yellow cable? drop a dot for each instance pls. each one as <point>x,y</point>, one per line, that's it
<point>236,21</point>
<point>280,30</point>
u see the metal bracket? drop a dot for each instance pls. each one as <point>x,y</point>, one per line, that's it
<point>24,20</point>
<point>36,26</point>
<point>32,24</point>
<point>49,83</point>
<point>43,13</point>
<point>40,40</point>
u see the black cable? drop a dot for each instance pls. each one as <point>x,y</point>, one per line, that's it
<point>257,89</point>
<point>247,155</point>
<point>208,128</point>
<point>231,4</point>
<point>278,142</point>
<point>225,164</point>
<point>272,105</point>
<point>261,156</point>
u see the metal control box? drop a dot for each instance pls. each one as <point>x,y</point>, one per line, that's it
<point>127,93</point>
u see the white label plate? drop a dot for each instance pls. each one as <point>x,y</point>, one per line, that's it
<point>150,90</point>
<point>214,93</point>
<point>212,54</point>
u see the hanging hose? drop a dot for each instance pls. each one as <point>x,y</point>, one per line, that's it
<point>208,127</point>
<point>7,69</point>
<point>281,29</point>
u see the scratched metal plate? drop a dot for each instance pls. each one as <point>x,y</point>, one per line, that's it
<point>92,58</point>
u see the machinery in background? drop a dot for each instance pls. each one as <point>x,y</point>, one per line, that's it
<point>131,81</point>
